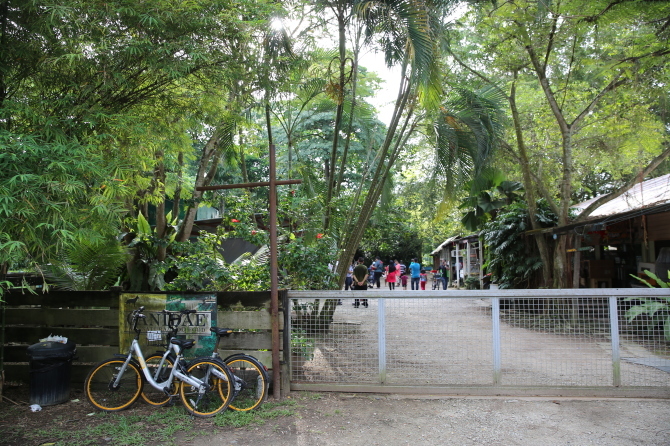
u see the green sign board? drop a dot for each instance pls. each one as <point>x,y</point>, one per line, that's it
<point>155,326</point>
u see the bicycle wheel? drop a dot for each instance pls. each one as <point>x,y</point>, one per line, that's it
<point>160,373</point>
<point>250,382</point>
<point>217,397</point>
<point>101,391</point>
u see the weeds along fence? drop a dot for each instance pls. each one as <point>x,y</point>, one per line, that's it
<point>92,319</point>
<point>581,342</point>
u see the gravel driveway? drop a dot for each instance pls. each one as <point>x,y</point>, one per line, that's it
<point>372,419</point>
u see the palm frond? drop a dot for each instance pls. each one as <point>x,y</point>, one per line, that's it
<point>466,131</point>
<point>88,265</point>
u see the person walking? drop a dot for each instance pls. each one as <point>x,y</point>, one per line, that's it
<point>423,278</point>
<point>349,280</point>
<point>378,268</point>
<point>403,268</point>
<point>391,272</point>
<point>360,274</point>
<point>415,274</point>
<point>444,271</point>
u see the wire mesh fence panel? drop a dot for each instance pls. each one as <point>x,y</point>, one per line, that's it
<point>644,351</point>
<point>451,339</point>
<point>438,341</point>
<point>343,351</point>
<point>545,342</point>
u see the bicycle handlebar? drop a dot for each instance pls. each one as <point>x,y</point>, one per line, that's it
<point>137,314</point>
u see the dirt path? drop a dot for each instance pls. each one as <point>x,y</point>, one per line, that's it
<point>346,419</point>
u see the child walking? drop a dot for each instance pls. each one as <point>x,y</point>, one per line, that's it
<point>423,278</point>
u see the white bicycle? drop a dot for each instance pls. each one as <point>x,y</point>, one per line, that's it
<point>204,384</point>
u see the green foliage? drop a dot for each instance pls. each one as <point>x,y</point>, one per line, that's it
<point>88,265</point>
<point>472,282</point>
<point>656,309</point>
<point>390,235</point>
<point>586,78</point>
<point>50,197</point>
<point>96,104</point>
<point>513,261</point>
<point>304,262</point>
<point>6,285</point>
<point>147,269</point>
<point>488,194</point>
<point>300,342</point>
<point>466,132</point>
<point>655,278</point>
<point>199,265</point>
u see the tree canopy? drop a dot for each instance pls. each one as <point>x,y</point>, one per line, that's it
<point>113,113</point>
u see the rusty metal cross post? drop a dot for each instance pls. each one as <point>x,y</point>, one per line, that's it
<point>274,275</point>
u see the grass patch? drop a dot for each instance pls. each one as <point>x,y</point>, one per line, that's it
<point>267,411</point>
<point>121,429</point>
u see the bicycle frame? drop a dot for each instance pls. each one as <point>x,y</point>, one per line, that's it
<point>177,371</point>
<point>174,373</point>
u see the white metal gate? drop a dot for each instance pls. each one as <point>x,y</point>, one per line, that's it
<point>513,342</point>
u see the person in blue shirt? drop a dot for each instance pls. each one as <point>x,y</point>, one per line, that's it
<point>415,271</point>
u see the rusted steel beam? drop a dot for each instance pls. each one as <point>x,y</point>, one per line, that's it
<point>248,185</point>
<point>274,281</point>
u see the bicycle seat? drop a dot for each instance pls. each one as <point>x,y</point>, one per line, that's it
<point>221,331</point>
<point>185,344</point>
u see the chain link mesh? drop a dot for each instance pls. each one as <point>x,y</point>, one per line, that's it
<point>451,341</point>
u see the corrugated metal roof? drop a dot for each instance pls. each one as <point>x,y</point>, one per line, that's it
<point>457,238</point>
<point>648,193</point>
<point>446,242</point>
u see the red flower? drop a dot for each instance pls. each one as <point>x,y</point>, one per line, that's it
<point>234,220</point>
<point>319,235</point>
<point>253,232</point>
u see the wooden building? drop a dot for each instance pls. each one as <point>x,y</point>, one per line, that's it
<point>463,255</point>
<point>623,237</point>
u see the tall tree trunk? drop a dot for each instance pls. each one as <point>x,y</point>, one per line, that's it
<point>531,199</point>
<point>349,130</point>
<point>4,12</point>
<point>382,169</point>
<point>159,187</point>
<point>339,97</point>
<point>207,167</point>
<point>243,161</point>
<point>176,199</point>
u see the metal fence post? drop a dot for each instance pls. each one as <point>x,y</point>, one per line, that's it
<point>381,339</point>
<point>495,328</point>
<point>614,335</point>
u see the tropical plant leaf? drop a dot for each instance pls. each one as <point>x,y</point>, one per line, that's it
<point>143,227</point>
<point>88,265</point>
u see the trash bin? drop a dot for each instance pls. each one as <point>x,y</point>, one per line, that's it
<point>50,369</point>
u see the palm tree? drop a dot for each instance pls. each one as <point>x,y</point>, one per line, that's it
<point>410,34</point>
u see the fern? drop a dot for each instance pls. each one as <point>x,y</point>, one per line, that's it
<point>88,265</point>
